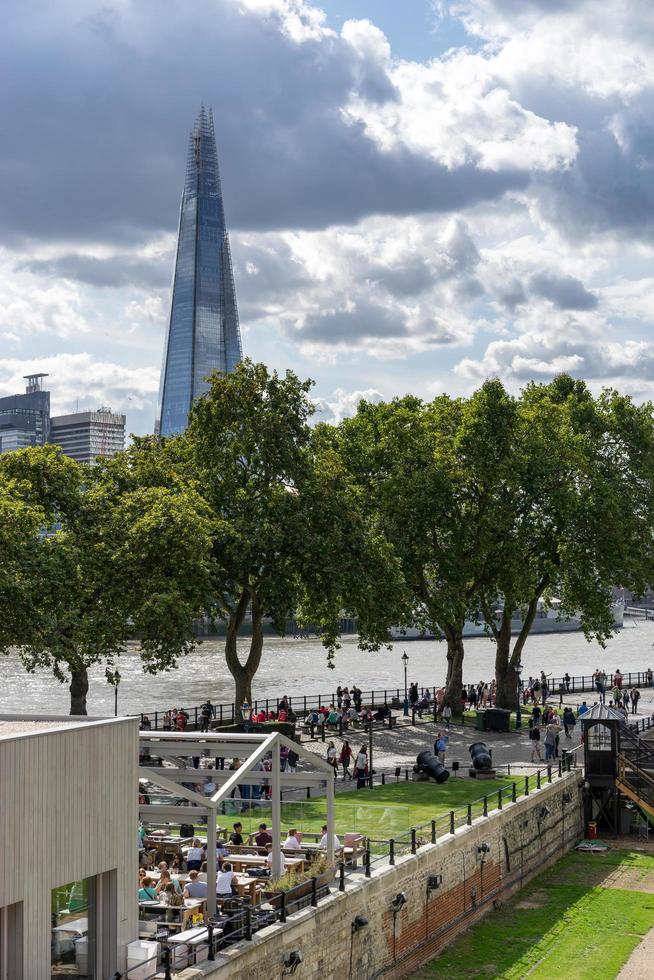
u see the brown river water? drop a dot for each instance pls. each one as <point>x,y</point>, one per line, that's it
<point>291,666</point>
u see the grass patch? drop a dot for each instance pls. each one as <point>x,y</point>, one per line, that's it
<point>574,925</point>
<point>387,811</point>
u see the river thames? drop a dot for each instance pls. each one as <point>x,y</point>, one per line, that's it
<point>291,666</point>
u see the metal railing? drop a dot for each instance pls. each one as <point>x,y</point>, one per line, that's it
<point>385,852</point>
<point>302,704</point>
<point>226,930</point>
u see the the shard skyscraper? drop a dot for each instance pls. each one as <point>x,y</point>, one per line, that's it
<point>203,331</point>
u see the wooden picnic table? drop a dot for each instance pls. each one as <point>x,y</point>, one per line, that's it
<point>247,885</point>
<point>259,861</point>
<point>190,906</point>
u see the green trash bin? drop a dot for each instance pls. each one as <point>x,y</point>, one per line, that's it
<point>480,723</point>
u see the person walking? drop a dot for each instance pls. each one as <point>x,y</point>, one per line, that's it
<point>534,737</point>
<point>332,758</point>
<point>345,759</point>
<point>569,721</point>
<point>361,767</point>
<point>447,715</point>
<point>550,741</point>
<point>635,698</point>
<point>566,681</point>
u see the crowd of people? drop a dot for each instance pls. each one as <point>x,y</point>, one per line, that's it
<point>186,875</point>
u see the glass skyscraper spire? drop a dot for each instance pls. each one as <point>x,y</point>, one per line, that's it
<point>203,331</point>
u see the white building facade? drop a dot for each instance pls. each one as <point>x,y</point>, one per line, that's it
<point>68,846</point>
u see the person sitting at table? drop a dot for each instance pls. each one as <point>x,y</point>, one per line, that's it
<point>262,838</point>
<point>166,880</point>
<point>209,787</point>
<point>292,842</point>
<point>226,882</point>
<point>324,840</point>
<point>269,858</point>
<point>236,838</point>
<point>194,887</point>
<point>147,891</point>
<point>222,851</point>
<point>282,715</point>
<point>352,713</point>
<point>162,866</point>
<point>334,716</point>
<point>194,856</point>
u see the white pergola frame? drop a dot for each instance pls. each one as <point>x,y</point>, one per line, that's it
<point>177,746</point>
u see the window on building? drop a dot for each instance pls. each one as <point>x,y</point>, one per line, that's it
<point>73,929</point>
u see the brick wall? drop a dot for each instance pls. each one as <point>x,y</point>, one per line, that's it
<point>522,840</point>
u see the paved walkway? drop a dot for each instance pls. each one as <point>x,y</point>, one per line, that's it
<point>640,965</point>
<point>400,745</point>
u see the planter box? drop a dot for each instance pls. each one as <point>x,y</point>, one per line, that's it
<point>302,890</point>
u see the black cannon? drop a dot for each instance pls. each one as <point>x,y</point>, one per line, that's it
<point>428,763</point>
<point>481,758</point>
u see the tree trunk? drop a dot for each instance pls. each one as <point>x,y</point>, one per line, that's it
<point>243,674</point>
<point>507,660</point>
<point>79,686</point>
<point>454,683</point>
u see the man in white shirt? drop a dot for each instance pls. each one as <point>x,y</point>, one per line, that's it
<point>194,887</point>
<point>269,858</point>
<point>225,882</point>
<point>324,840</point>
<point>292,842</point>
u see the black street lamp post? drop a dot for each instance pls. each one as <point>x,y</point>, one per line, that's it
<point>518,712</point>
<point>246,715</point>
<point>405,661</point>
<point>114,679</point>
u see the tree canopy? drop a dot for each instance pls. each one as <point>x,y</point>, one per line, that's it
<point>109,566</point>
<point>289,535</point>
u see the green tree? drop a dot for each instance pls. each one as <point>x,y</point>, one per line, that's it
<point>290,536</point>
<point>574,516</point>
<point>20,527</point>
<point>118,561</point>
<point>429,471</point>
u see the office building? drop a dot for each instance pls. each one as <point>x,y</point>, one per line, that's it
<point>25,418</point>
<point>86,435</point>
<point>203,330</point>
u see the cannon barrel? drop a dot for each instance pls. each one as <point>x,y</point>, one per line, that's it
<point>480,756</point>
<point>431,764</point>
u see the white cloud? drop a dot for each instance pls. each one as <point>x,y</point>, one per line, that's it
<point>457,111</point>
<point>343,404</point>
<point>81,378</point>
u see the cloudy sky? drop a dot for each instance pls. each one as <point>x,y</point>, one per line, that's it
<point>420,194</point>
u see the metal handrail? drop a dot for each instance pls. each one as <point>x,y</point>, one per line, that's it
<point>301,704</point>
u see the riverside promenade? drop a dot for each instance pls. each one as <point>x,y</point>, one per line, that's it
<point>561,691</point>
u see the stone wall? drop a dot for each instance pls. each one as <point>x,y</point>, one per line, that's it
<point>521,840</point>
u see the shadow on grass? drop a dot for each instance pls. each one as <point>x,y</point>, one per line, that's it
<point>566,922</point>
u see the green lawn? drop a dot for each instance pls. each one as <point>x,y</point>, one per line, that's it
<point>566,923</point>
<point>387,811</point>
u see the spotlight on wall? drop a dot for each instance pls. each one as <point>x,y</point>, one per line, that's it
<point>398,901</point>
<point>483,848</point>
<point>292,961</point>
<point>566,797</point>
<point>359,922</point>
<point>434,882</point>
<point>543,812</point>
